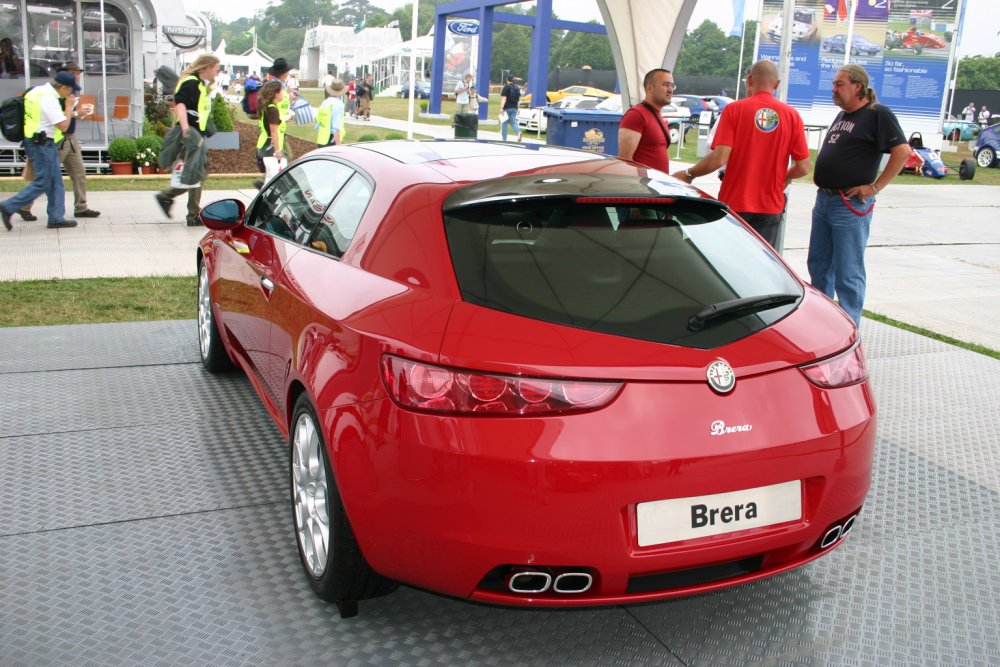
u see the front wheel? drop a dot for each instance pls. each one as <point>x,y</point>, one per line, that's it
<point>986,157</point>
<point>675,134</point>
<point>213,354</point>
<point>328,550</point>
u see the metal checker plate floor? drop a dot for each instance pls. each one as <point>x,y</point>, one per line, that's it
<point>144,521</point>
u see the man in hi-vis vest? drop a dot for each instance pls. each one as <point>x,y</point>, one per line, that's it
<point>48,109</point>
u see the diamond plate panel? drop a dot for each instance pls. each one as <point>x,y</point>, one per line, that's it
<point>99,345</point>
<point>226,588</point>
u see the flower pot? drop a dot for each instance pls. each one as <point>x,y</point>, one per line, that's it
<point>121,168</point>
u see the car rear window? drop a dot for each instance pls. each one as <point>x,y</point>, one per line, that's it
<point>635,271</point>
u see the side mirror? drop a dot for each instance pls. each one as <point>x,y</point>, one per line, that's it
<point>224,214</point>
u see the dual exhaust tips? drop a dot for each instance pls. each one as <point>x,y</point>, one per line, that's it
<point>837,532</point>
<point>534,582</point>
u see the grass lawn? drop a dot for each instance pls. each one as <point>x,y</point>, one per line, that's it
<point>94,300</point>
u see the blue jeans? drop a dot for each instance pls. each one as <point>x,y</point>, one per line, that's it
<point>48,181</point>
<point>511,122</point>
<point>837,249</point>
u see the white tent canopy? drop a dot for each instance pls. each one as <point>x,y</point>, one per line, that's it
<point>638,49</point>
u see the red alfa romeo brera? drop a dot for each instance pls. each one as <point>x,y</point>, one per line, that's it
<point>529,375</point>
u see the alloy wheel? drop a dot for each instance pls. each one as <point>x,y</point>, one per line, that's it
<point>310,489</point>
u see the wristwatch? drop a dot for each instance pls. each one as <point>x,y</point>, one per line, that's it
<point>687,172</point>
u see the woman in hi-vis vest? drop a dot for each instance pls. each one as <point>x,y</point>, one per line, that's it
<point>192,107</point>
<point>271,140</point>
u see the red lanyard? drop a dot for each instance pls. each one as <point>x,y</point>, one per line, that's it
<point>847,203</point>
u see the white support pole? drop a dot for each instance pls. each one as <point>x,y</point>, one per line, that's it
<point>785,59</point>
<point>413,69</point>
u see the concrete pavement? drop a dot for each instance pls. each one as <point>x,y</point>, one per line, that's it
<point>933,257</point>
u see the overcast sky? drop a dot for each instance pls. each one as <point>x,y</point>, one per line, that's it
<point>980,36</point>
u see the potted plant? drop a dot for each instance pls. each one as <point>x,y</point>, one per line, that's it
<point>225,138</point>
<point>121,155</point>
<point>149,146</point>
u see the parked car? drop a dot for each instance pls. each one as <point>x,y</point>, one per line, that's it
<point>859,45</point>
<point>556,95</point>
<point>957,129</point>
<point>529,375</point>
<point>988,147</point>
<point>534,119</point>
<point>693,103</point>
<point>678,118</point>
<point>804,28</point>
<point>422,89</point>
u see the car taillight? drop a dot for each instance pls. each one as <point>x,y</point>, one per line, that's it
<point>843,370</point>
<point>421,386</point>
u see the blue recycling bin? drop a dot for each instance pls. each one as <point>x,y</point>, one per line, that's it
<point>591,130</point>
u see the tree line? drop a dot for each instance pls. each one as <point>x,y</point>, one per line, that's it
<point>706,51</point>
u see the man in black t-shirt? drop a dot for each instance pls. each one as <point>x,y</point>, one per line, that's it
<point>366,93</point>
<point>509,98</point>
<point>847,176</point>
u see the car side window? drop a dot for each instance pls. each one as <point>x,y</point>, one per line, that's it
<point>293,203</point>
<point>340,222</point>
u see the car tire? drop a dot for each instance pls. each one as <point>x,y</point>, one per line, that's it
<point>675,135</point>
<point>986,157</point>
<point>917,48</point>
<point>328,550</point>
<point>966,169</point>
<point>214,357</point>
<point>854,51</point>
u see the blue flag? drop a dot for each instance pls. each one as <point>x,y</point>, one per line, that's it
<point>738,10</point>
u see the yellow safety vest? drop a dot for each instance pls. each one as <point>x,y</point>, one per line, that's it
<point>265,131</point>
<point>33,111</point>
<point>204,104</point>
<point>324,117</point>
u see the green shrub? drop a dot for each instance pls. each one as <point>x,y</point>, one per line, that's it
<point>423,106</point>
<point>222,114</point>
<point>148,148</point>
<point>366,137</point>
<point>122,149</point>
<point>394,135</point>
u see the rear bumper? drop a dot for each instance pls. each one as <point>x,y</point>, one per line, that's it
<point>451,503</point>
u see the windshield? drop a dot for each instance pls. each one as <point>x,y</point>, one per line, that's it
<point>640,272</point>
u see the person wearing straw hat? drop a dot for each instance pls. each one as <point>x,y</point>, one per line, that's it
<point>70,156</point>
<point>330,117</point>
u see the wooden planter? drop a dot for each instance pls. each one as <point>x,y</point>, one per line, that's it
<point>121,168</point>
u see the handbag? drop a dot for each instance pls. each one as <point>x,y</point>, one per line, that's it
<point>272,166</point>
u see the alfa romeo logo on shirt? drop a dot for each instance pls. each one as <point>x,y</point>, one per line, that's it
<point>766,120</point>
<point>721,377</point>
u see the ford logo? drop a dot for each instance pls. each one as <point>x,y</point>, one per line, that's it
<point>464,27</point>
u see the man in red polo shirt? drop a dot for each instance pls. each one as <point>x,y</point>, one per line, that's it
<point>755,138</point>
<point>642,134</point>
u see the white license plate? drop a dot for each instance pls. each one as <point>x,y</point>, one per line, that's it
<point>676,519</point>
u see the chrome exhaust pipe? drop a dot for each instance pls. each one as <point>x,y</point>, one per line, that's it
<point>531,581</point>
<point>848,526</point>
<point>573,582</point>
<point>831,537</point>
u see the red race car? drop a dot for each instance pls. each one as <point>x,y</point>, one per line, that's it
<point>914,39</point>
<point>529,375</point>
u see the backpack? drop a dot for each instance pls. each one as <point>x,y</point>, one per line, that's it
<point>12,118</point>
<point>249,103</point>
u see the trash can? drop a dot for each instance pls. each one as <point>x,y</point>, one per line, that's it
<point>466,125</point>
<point>591,130</point>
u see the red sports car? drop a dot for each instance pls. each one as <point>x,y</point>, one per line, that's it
<point>529,375</point>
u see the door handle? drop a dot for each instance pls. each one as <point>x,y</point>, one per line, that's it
<point>267,285</point>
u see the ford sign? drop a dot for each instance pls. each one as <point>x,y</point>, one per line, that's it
<point>464,27</point>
